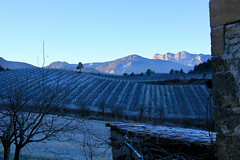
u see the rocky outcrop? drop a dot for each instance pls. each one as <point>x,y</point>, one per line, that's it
<point>183,57</point>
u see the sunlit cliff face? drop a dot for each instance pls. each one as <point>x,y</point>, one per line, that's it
<point>183,57</point>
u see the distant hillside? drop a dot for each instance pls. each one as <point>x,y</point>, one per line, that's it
<point>183,57</point>
<point>138,64</point>
<point>93,65</point>
<point>14,65</point>
<point>62,65</point>
<point>132,63</point>
<point>71,67</point>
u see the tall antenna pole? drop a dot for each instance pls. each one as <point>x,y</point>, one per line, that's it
<point>43,55</point>
<point>38,61</point>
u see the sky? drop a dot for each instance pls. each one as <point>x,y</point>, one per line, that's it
<point>101,30</point>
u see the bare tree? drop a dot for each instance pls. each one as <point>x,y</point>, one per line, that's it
<point>102,107</point>
<point>149,113</point>
<point>82,110</point>
<point>141,112</point>
<point>12,100</point>
<point>117,111</point>
<point>161,114</point>
<point>91,144</point>
<point>25,107</point>
<point>6,134</point>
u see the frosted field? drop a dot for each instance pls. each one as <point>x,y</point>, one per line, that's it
<point>90,140</point>
<point>117,93</point>
<point>169,101</point>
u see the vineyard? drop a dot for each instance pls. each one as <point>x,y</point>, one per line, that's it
<point>123,95</point>
<point>155,77</point>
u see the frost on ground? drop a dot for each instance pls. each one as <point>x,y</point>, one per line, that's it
<point>89,141</point>
<point>183,134</point>
<point>167,101</point>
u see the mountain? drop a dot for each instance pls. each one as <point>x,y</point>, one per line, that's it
<point>138,64</point>
<point>93,65</point>
<point>14,65</point>
<point>62,65</point>
<point>183,57</point>
<point>72,67</point>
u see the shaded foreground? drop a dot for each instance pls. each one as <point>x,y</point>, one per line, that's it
<point>121,96</point>
<point>141,141</point>
<point>89,141</point>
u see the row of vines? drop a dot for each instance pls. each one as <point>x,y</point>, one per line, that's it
<point>173,101</point>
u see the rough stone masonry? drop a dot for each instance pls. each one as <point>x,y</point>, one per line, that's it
<point>225,40</point>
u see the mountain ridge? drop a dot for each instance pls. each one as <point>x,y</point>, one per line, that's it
<point>183,57</point>
<point>15,65</point>
<point>160,63</point>
<point>137,64</point>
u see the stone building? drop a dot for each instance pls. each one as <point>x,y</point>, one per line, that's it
<point>225,39</point>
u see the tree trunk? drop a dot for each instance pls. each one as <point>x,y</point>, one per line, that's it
<point>17,153</point>
<point>6,145</point>
<point>6,152</point>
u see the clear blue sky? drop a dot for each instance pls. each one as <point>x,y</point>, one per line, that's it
<point>101,30</point>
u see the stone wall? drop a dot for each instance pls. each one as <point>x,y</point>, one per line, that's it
<point>225,39</point>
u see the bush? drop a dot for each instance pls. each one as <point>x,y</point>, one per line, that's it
<point>1,68</point>
<point>203,67</point>
<point>149,71</point>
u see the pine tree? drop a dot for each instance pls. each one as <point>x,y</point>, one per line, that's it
<point>80,66</point>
